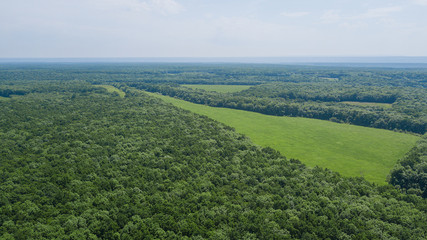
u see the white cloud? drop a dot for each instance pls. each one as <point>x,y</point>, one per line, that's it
<point>420,2</point>
<point>331,16</point>
<point>383,14</point>
<point>294,14</point>
<point>166,7</point>
<point>379,12</point>
<point>208,28</point>
<point>127,5</point>
<point>238,30</point>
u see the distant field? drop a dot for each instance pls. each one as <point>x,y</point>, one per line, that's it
<point>348,149</point>
<point>110,88</point>
<point>10,97</point>
<point>384,105</point>
<point>331,79</point>
<point>218,88</point>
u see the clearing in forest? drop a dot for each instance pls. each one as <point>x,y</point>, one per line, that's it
<point>348,149</point>
<point>218,88</point>
<point>111,89</point>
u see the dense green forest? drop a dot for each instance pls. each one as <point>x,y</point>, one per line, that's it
<point>79,162</point>
<point>410,173</point>
<point>304,91</point>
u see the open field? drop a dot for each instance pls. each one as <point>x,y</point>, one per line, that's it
<point>218,88</point>
<point>110,89</point>
<point>330,79</point>
<point>383,105</point>
<point>11,97</point>
<point>348,149</point>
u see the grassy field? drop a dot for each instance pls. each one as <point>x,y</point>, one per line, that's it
<point>218,88</point>
<point>113,89</point>
<point>348,149</point>
<point>11,97</point>
<point>383,105</point>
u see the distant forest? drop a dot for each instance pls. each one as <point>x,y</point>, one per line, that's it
<point>79,162</point>
<point>303,91</point>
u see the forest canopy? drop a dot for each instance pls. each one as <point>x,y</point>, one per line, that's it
<point>78,162</point>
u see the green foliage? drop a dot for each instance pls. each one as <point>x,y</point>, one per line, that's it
<point>78,162</point>
<point>373,104</point>
<point>7,92</point>
<point>325,92</point>
<point>348,149</point>
<point>336,112</point>
<point>410,173</point>
<point>112,89</point>
<point>303,91</point>
<point>218,88</point>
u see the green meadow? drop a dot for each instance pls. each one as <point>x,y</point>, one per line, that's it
<point>218,88</point>
<point>10,97</point>
<point>111,89</point>
<point>348,149</point>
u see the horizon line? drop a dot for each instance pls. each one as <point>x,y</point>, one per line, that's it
<point>272,60</point>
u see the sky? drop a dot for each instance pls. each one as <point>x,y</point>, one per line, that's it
<point>211,28</point>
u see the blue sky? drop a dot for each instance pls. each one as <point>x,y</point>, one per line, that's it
<point>212,28</point>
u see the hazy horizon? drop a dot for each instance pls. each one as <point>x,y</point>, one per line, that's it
<point>422,60</point>
<point>212,29</point>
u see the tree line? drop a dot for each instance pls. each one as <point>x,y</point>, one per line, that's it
<point>370,117</point>
<point>410,172</point>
